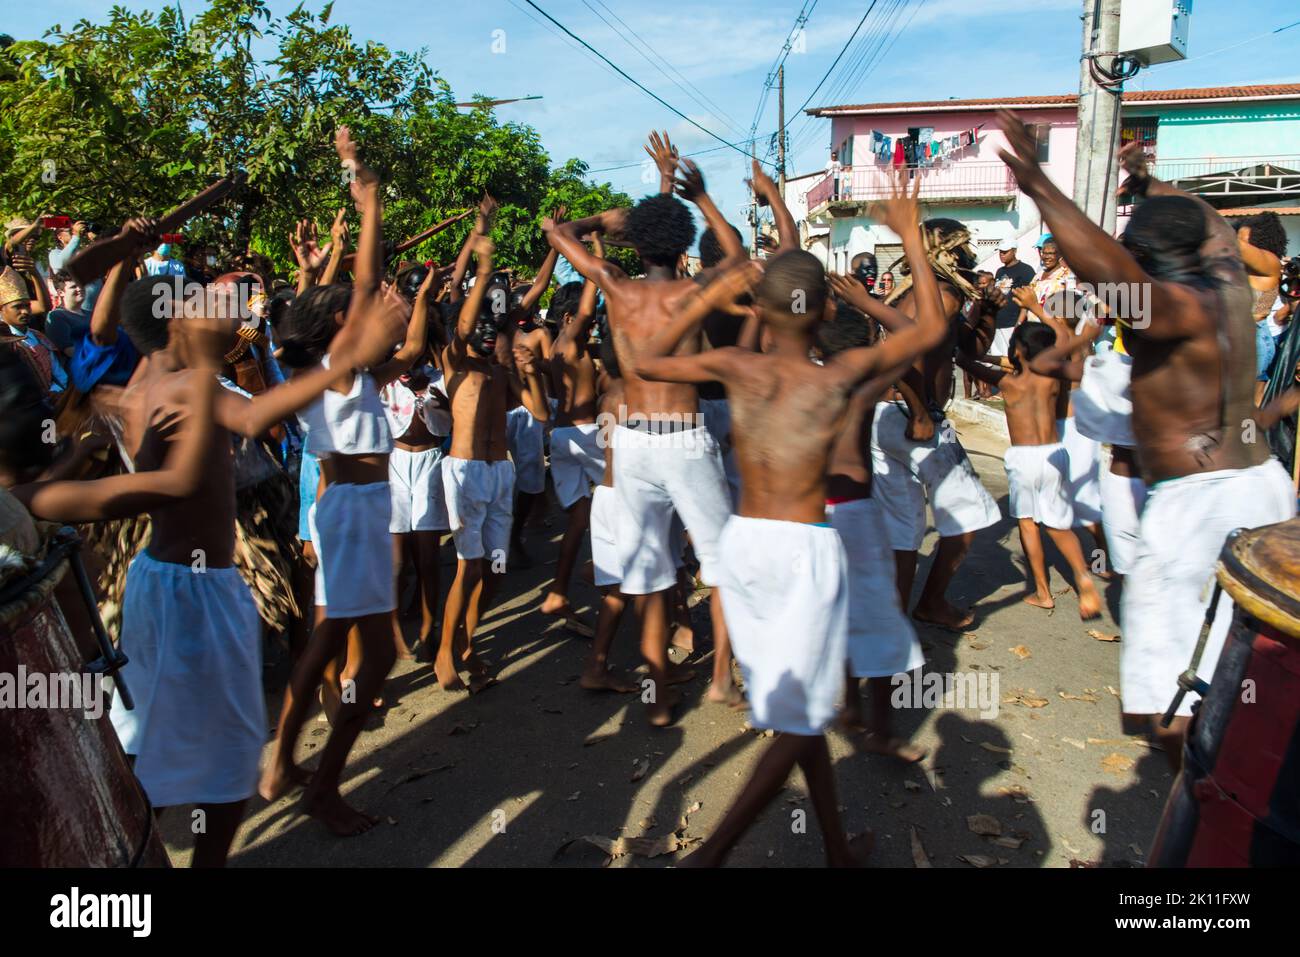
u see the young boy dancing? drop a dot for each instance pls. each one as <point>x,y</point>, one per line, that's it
<point>478,477</point>
<point>1038,465</point>
<point>782,568</point>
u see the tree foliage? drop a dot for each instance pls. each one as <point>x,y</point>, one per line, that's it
<point>134,114</point>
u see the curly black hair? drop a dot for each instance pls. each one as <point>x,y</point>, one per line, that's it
<point>1266,232</point>
<point>1033,337</point>
<point>661,228</point>
<point>564,302</point>
<point>309,324</point>
<point>711,250</point>
<point>848,330</point>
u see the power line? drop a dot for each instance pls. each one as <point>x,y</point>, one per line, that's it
<point>837,57</point>
<point>805,12</point>
<point>650,93</point>
<point>703,100</point>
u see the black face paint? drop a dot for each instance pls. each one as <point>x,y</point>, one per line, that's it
<point>483,339</point>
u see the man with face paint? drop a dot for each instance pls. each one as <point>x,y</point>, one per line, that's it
<point>478,477</point>
<point>1192,344</point>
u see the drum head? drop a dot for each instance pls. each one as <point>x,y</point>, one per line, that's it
<point>1260,569</point>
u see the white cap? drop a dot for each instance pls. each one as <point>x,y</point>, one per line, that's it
<point>1009,243</point>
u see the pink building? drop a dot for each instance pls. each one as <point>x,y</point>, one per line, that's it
<point>1237,146</point>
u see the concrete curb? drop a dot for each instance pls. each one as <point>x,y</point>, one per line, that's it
<point>995,420</point>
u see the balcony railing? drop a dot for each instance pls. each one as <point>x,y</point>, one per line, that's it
<point>954,181</point>
<point>1234,178</point>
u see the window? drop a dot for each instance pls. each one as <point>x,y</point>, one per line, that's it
<point>1040,132</point>
<point>846,152</point>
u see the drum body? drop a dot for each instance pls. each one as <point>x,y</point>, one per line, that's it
<point>68,794</point>
<point>1236,802</point>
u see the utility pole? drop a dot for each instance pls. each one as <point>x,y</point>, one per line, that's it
<point>780,128</point>
<point>1096,171</point>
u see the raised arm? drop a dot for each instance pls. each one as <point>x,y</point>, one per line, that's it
<point>339,246</point>
<point>368,266</point>
<point>567,239</point>
<point>690,185</point>
<point>1094,255</point>
<point>473,304</point>
<point>1064,360</point>
<point>851,291</point>
<point>528,386</point>
<point>311,257</point>
<point>416,341</point>
<point>762,185</point>
<point>980,370</point>
<point>1258,262</point>
<point>542,281</point>
<point>901,213</point>
<point>655,360</point>
<point>487,209</point>
<point>665,158</point>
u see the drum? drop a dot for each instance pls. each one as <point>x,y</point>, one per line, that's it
<point>69,796</point>
<point>1236,802</point>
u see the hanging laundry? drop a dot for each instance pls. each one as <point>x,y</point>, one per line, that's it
<point>900,151</point>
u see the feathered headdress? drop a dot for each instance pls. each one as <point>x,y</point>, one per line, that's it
<point>943,254</point>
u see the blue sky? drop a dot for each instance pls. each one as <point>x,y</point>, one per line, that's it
<point>719,53</point>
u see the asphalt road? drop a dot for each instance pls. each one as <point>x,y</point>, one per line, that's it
<point>518,774</point>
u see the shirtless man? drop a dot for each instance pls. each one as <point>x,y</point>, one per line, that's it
<point>1192,387</point>
<point>918,456</point>
<point>478,477</point>
<point>783,570</point>
<point>1038,465</point>
<point>665,459</point>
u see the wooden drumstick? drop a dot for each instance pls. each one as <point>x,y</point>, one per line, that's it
<point>99,257</point>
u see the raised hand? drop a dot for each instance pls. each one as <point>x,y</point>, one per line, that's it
<point>143,232</point>
<point>1133,160</point>
<point>1025,297</point>
<point>1022,157</point>
<point>849,290</point>
<point>663,153</point>
<point>901,211</point>
<point>487,210</point>
<point>310,256</point>
<point>760,182</point>
<point>361,177</point>
<point>690,184</point>
<point>339,228</point>
<point>368,338</point>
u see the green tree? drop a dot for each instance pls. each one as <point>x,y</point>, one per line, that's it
<point>106,120</point>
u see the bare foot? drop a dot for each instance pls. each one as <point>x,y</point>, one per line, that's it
<point>1040,601</point>
<point>1089,600</point>
<point>684,638</point>
<point>276,782</point>
<point>660,713</point>
<point>403,652</point>
<point>944,616</point>
<point>446,673</point>
<point>556,604</point>
<point>729,695</point>
<point>609,680</point>
<point>336,814</point>
<point>891,747</point>
<point>855,851</point>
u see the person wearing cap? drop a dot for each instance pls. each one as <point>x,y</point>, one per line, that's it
<point>1011,275</point>
<point>40,353</point>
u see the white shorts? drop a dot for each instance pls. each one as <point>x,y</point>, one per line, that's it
<point>480,506</point>
<point>577,462</point>
<point>1121,509</point>
<point>655,475</point>
<point>525,437</point>
<point>354,550</point>
<point>194,641</point>
<point>717,419</point>
<point>1001,344</point>
<point>1039,478</point>
<point>786,603</point>
<point>882,641</point>
<point>604,543</point>
<point>1184,524</point>
<point>1085,471</point>
<point>904,473</point>
<point>419,504</point>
